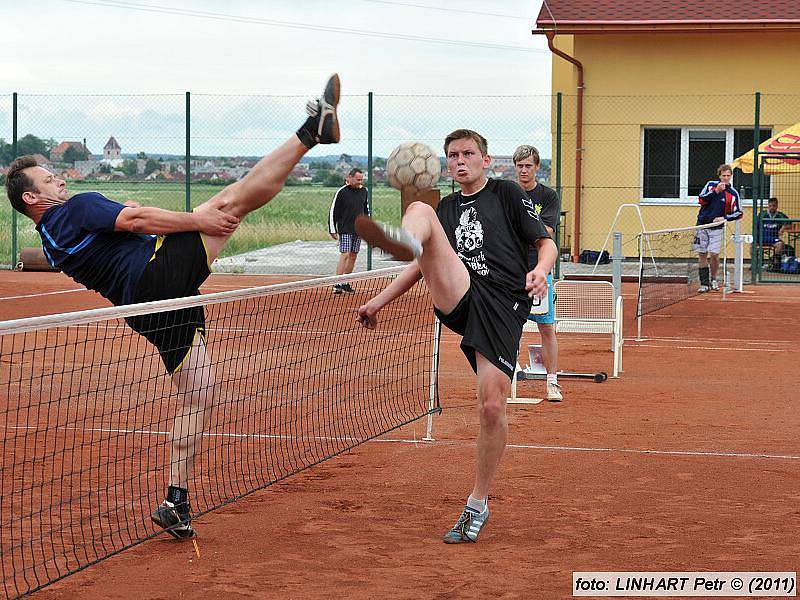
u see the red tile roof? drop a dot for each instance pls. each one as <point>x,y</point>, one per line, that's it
<point>639,12</point>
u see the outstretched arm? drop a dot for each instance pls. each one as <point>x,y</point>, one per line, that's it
<point>368,313</point>
<point>151,220</point>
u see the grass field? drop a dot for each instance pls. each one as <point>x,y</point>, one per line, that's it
<point>297,213</point>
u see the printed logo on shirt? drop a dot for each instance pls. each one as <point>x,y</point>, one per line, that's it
<point>469,239</point>
<point>533,210</point>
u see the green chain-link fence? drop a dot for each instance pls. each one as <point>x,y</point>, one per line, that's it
<point>654,152</point>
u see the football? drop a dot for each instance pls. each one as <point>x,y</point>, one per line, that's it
<point>413,165</point>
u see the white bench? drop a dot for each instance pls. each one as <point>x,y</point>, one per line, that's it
<point>588,307</point>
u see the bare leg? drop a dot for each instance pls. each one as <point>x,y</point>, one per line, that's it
<point>549,346</point>
<point>350,262</point>
<point>714,264</point>
<point>197,392</point>
<point>341,266</point>
<point>493,388</point>
<point>267,178</point>
<point>445,275</point>
<point>257,188</point>
<point>702,259</point>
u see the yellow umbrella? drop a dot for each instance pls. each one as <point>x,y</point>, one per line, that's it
<point>787,141</point>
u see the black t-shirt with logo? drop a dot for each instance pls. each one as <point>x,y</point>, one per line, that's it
<point>548,206</point>
<point>491,231</point>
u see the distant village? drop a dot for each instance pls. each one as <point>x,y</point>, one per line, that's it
<point>72,160</point>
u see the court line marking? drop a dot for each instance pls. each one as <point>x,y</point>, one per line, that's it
<point>36,295</point>
<point>642,451</point>
<point>667,338</point>
<point>728,348</point>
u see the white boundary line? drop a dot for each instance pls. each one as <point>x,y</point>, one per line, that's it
<point>642,451</point>
<point>724,348</point>
<point>38,294</point>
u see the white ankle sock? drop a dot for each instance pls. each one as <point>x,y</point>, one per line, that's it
<point>552,378</point>
<point>474,503</point>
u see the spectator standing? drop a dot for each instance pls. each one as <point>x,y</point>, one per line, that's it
<point>349,202</point>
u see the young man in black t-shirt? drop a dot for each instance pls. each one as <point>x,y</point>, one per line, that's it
<point>349,202</point>
<point>473,253</point>
<point>547,205</point>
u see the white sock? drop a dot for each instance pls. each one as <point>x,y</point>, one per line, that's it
<point>552,378</point>
<point>475,504</point>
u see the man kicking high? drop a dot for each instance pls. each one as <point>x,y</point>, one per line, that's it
<point>132,254</point>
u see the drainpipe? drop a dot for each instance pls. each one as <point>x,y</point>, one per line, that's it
<point>576,230</point>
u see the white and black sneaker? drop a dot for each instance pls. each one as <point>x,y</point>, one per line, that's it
<point>468,526</point>
<point>702,289</point>
<point>395,241</point>
<point>714,285</point>
<point>322,125</point>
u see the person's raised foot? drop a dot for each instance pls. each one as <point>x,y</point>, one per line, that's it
<point>395,241</point>
<point>322,125</point>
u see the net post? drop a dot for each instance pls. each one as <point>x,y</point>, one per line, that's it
<point>725,279</point>
<point>639,295</point>
<point>616,278</point>
<point>738,268</point>
<point>432,389</point>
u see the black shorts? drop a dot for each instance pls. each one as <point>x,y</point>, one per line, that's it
<point>178,268</point>
<point>490,323</point>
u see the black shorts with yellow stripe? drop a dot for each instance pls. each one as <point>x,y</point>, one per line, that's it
<point>178,267</point>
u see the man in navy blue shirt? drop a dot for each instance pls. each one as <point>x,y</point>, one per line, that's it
<point>132,254</point>
<point>719,202</point>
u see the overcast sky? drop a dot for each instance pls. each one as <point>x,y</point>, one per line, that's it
<point>224,52</point>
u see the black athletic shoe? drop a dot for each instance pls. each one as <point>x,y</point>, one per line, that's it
<point>337,288</point>
<point>347,288</point>
<point>175,520</point>
<point>322,125</point>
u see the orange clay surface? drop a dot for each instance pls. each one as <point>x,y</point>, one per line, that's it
<point>689,462</point>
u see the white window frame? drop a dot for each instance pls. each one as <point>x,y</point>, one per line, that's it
<point>683,190</point>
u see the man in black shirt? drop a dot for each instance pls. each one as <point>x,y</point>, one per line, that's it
<point>473,253</point>
<point>547,205</point>
<point>349,202</point>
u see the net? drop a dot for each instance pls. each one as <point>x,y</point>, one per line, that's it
<point>668,266</point>
<point>88,408</point>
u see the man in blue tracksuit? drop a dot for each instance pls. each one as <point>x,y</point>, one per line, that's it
<point>719,202</point>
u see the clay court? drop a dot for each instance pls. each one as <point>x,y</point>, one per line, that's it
<point>688,462</point>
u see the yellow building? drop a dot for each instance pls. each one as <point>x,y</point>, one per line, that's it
<point>656,95</point>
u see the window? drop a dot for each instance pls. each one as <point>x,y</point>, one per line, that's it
<point>662,159</point>
<point>678,161</point>
<point>706,154</point>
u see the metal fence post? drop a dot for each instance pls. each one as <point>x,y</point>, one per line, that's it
<point>14,154</point>
<point>369,170</point>
<point>755,248</point>
<point>558,180</point>
<point>188,192</point>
